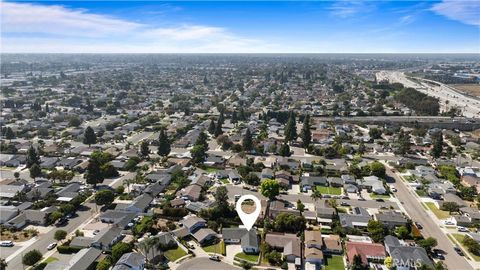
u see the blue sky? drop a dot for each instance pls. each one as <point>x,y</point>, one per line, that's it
<point>242,27</point>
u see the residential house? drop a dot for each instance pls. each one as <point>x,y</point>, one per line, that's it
<point>248,239</point>
<point>406,257</point>
<point>130,261</point>
<point>368,252</point>
<point>289,244</point>
<point>358,219</point>
<point>332,244</point>
<point>391,219</point>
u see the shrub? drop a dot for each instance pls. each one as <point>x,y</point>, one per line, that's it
<point>31,257</point>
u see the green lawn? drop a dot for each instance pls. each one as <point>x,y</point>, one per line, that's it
<point>225,181</point>
<point>216,248</point>
<point>334,263</point>
<point>459,237</point>
<point>379,196</point>
<point>211,170</point>
<point>421,193</point>
<point>439,213</point>
<point>175,254</point>
<point>50,259</point>
<point>248,257</point>
<point>329,190</point>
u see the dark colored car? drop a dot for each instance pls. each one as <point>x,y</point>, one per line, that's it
<point>419,226</point>
<point>458,250</point>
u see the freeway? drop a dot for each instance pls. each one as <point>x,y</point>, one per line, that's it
<point>416,211</point>
<point>15,262</point>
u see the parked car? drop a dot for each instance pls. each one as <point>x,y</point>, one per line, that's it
<point>6,244</point>
<point>380,200</point>
<point>215,258</point>
<point>419,226</point>
<point>51,246</point>
<point>448,222</point>
<point>344,204</point>
<point>462,229</point>
<point>394,189</point>
<point>458,250</point>
<point>438,254</point>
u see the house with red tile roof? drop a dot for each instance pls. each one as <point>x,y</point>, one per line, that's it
<point>369,252</point>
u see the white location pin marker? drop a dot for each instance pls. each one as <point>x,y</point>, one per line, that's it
<point>248,219</point>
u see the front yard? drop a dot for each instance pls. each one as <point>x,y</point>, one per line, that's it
<point>439,213</point>
<point>379,196</point>
<point>248,257</point>
<point>459,237</point>
<point>175,254</point>
<point>334,263</point>
<point>216,248</point>
<point>329,190</point>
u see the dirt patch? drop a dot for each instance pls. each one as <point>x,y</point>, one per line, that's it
<point>471,89</point>
<point>19,236</point>
<point>248,206</point>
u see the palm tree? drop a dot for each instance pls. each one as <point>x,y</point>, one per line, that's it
<point>316,195</point>
<point>333,203</point>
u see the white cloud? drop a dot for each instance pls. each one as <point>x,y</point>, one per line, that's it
<point>465,11</point>
<point>344,9</point>
<point>40,28</point>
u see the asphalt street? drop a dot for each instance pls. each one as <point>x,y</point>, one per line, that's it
<point>205,264</point>
<point>44,240</point>
<point>430,228</point>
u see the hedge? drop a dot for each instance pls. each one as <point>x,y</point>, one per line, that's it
<point>68,249</point>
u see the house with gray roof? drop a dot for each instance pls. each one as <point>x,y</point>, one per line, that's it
<point>130,261</point>
<point>248,239</point>
<point>405,256</point>
<point>358,219</point>
<point>391,219</point>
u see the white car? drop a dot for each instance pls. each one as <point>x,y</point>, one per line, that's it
<point>51,246</point>
<point>6,244</point>
<point>462,229</point>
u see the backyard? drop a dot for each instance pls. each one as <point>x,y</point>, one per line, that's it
<point>439,213</point>
<point>175,254</point>
<point>329,190</point>
<point>334,263</point>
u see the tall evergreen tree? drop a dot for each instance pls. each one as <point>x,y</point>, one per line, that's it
<point>9,134</point>
<point>306,133</point>
<point>35,171</point>
<point>221,118</point>
<point>291,128</point>
<point>94,175</point>
<point>144,150</point>
<point>202,140</point>
<point>218,128</point>
<point>284,150</point>
<point>234,117</point>
<point>437,141</point>
<point>211,127</point>
<point>32,157</point>
<point>89,136</point>
<point>402,145</point>
<point>164,147</point>
<point>247,142</point>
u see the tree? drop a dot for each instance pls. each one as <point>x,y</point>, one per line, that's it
<point>9,134</point>
<point>221,196</point>
<point>94,174</point>
<point>357,263</point>
<point>402,232</point>
<point>437,142</point>
<point>270,188</point>
<point>247,142</point>
<point>89,136</point>
<point>376,230</point>
<point>234,119</point>
<point>3,264</point>
<point>104,264</point>
<point>377,169</point>
<point>388,262</point>
<point>218,128</point>
<point>428,243</point>
<point>164,147</point>
<point>450,207</point>
<point>119,249</point>
<point>60,235</point>
<point>402,145</point>
<point>32,257</point>
<point>199,154</point>
<point>104,197</point>
<point>284,150</point>
<point>32,157</point>
<point>306,133</point>
<point>252,179</point>
<point>333,203</point>
<point>144,150</point>
<point>35,171</point>
<point>287,222</point>
<point>300,206</point>
<point>202,140</point>
<point>316,195</point>
<point>211,127</point>
<point>291,128</point>
<point>375,133</point>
